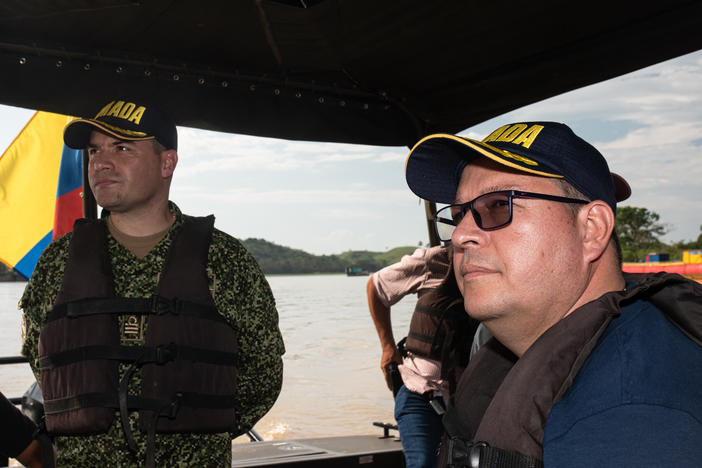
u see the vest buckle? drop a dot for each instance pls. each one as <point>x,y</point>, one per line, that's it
<point>474,454</point>
<point>174,406</point>
<point>160,305</point>
<point>165,353</point>
<point>462,453</point>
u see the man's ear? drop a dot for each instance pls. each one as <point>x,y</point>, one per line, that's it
<point>169,160</point>
<point>597,222</point>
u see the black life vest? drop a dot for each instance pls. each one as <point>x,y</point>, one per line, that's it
<point>440,329</point>
<point>502,403</point>
<point>188,360</point>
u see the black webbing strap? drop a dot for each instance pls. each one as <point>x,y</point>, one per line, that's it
<point>169,410</point>
<point>133,306</point>
<point>145,355</point>
<point>465,454</point>
<point>111,400</point>
<point>92,400</point>
<point>123,396</point>
<point>401,347</point>
<point>47,450</point>
<point>46,446</point>
<point>124,403</point>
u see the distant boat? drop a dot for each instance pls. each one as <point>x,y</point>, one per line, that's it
<point>356,271</point>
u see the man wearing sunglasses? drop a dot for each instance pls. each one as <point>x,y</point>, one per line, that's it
<point>588,366</point>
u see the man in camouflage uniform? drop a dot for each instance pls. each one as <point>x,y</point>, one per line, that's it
<point>130,169</point>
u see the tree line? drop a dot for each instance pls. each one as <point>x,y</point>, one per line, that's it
<point>277,259</point>
<point>639,231</point>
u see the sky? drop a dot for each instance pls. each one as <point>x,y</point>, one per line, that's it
<point>327,198</point>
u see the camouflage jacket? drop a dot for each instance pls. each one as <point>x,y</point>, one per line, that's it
<point>241,294</point>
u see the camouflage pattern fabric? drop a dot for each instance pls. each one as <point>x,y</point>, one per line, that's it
<point>241,294</point>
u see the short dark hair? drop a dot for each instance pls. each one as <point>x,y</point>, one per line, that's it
<point>158,147</point>
<point>569,191</point>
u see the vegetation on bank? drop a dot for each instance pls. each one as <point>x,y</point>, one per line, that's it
<point>8,274</point>
<point>639,231</point>
<point>277,259</point>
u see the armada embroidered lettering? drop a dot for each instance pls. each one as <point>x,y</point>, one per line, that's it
<point>517,134</point>
<point>128,111</point>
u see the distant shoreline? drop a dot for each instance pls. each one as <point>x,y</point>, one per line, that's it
<point>279,260</point>
<point>11,278</point>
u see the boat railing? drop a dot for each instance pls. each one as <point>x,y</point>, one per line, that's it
<point>13,360</point>
<point>386,429</point>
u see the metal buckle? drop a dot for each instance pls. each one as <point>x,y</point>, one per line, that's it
<point>165,353</point>
<point>464,454</point>
<point>161,305</point>
<point>474,454</point>
<point>174,406</point>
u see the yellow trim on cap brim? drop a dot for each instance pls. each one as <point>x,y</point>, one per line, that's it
<point>111,129</point>
<point>480,148</point>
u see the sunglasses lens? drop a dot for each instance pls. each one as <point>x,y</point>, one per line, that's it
<point>489,211</point>
<point>493,209</point>
<point>445,223</point>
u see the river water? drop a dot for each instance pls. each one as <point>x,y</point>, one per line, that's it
<point>332,382</point>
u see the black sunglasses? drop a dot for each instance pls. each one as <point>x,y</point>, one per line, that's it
<point>490,211</point>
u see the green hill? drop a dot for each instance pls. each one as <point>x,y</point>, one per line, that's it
<point>7,274</point>
<point>275,258</point>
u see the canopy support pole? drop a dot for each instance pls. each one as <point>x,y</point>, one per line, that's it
<point>430,211</point>
<point>89,203</point>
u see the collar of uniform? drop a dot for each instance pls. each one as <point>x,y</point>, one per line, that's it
<point>179,217</point>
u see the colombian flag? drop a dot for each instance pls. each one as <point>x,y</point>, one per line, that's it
<point>40,185</point>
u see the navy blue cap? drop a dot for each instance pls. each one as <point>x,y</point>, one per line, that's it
<point>126,119</point>
<point>547,149</point>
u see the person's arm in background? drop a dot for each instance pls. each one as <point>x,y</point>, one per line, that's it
<point>31,456</point>
<point>383,325</point>
<point>17,435</point>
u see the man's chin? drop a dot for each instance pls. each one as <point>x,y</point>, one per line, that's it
<point>109,206</point>
<point>482,310</point>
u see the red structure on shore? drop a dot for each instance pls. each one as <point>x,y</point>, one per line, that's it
<point>690,266</point>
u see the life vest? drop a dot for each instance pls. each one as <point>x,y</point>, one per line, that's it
<point>502,403</point>
<point>187,361</point>
<point>440,329</point>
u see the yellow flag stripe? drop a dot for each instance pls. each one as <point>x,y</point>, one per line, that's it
<point>28,179</point>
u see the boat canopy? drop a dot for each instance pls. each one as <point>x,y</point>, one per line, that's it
<point>354,71</point>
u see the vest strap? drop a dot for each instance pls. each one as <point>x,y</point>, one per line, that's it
<point>468,454</point>
<point>155,305</point>
<point>144,355</point>
<point>111,400</point>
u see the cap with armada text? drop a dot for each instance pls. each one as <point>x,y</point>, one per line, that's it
<point>548,149</point>
<point>127,120</point>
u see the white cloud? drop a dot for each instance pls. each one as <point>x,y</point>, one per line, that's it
<point>204,152</point>
<point>247,195</point>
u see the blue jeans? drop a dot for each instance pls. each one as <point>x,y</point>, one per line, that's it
<point>420,429</point>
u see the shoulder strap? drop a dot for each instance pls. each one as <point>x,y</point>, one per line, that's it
<point>184,273</point>
<point>88,272</point>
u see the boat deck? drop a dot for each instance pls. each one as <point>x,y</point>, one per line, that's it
<point>362,450</point>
